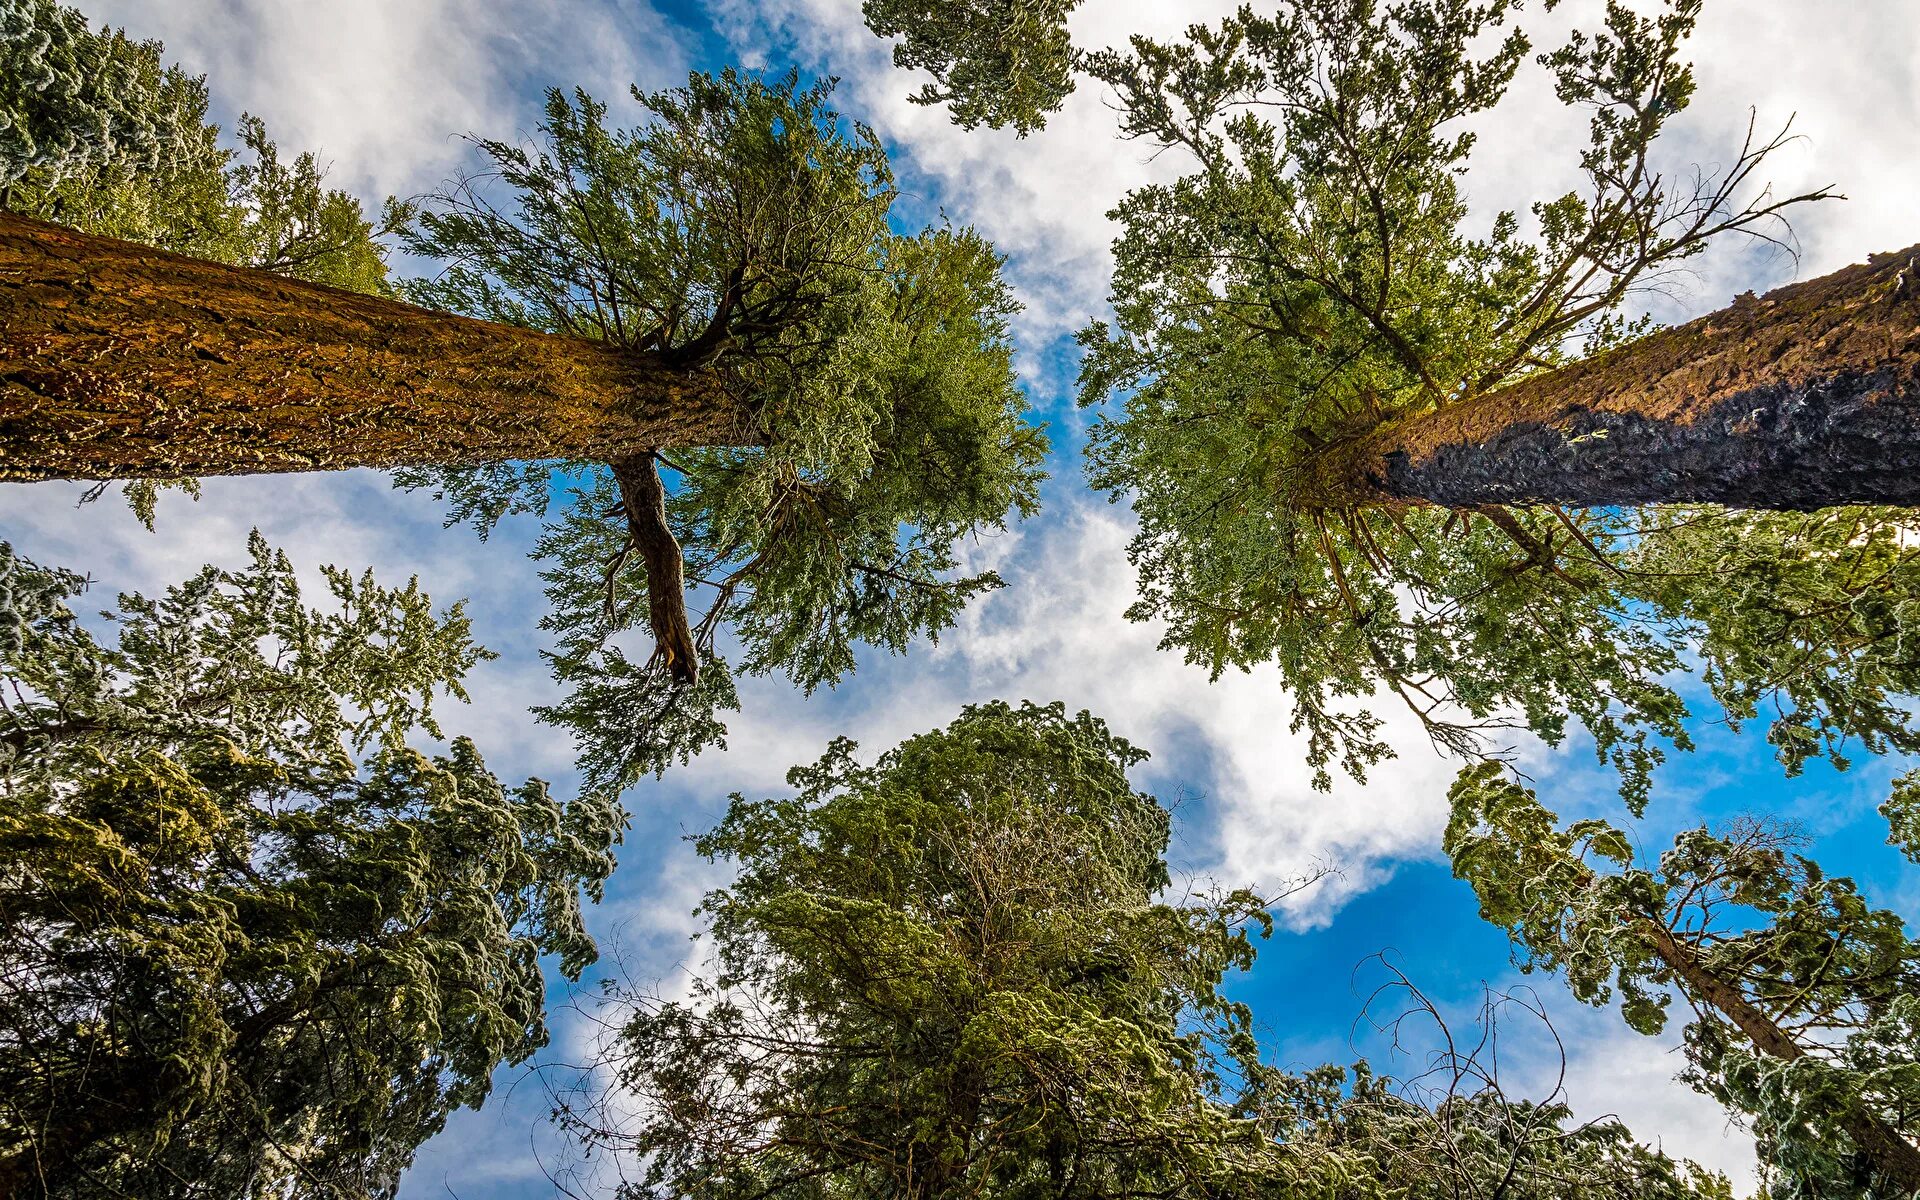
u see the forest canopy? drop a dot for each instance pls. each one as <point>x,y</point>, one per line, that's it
<point>284,897</point>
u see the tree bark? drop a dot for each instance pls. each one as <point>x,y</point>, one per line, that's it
<point>120,361</point>
<point>1806,397</point>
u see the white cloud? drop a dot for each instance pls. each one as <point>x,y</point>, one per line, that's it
<point>383,89</point>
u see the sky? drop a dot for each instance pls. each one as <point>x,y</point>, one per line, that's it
<point>383,92</point>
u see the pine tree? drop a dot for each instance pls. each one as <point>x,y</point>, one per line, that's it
<point>716,292</point>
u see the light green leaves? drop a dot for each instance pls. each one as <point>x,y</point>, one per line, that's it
<point>994,62</point>
<point>743,230</point>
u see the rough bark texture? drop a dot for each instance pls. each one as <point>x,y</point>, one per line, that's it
<point>1806,397</point>
<point>121,361</point>
<point>644,499</point>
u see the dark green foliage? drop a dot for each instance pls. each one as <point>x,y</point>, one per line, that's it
<point>254,945</point>
<point>1805,1001</point>
<point>946,975</point>
<point>1320,272</point>
<point>994,62</point>
<point>953,974</point>
<point>744,229</point>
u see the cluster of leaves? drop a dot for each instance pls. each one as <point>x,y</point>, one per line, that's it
<point>994,62</point>
<point>1804,1019</point>
<point>237,961</point>
<point>743,230</point>
<point>71,99</point>
<point>1317,275</point>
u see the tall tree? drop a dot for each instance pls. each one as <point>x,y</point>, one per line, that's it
<point>943,975</point>
<point>1805,1000</point>
<point>1354,429</point>
<point>953,973</point>
<point>720,282</point>
<point>252,944</point>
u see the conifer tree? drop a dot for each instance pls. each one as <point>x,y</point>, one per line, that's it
<point>1398,446</point>
<point>252,942</point>
<point>956,972</point>
<point>1804,1000</point>
<point>716,293</point>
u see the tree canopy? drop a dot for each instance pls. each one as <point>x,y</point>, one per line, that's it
<point>745,228</point>
<point>1320,273</point>
<point>254,944</point>
<point>956,973</point>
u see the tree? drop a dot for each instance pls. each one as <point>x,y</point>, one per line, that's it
<point>1805,1001</point>
<point>720,283</point>
<point>100,136</point>
<point>252,944</point>
<point>1354,430</point>
<point>954,973</point>
<point>942,975</point>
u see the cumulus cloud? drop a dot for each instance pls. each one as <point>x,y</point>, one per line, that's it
<point>384,90</point>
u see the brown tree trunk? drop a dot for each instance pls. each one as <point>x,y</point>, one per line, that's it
<point>644,500</point>
<point>121,361</point>
<point>1806,397</point>
<point>1892,1155</point>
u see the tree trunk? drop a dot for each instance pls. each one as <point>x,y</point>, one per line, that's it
<point>1806,397</point>
<point>644,500</point>
<point>1891,1154</point>
<point>121,361</point>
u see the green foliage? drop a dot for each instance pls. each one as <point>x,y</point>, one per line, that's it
<point>256,945</point>
<point>71,99</point>
<point>1902,811</point>
<point>942,975</point>
<point>115,143</point>
<point>1375,1138</point>
<point>1321,272</point>
<point>1802,996</point>
<point>743,229</point>
<point>950,974</point>
<point>994,62</point>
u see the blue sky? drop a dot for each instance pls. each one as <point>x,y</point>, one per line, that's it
<point>382,90</point>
